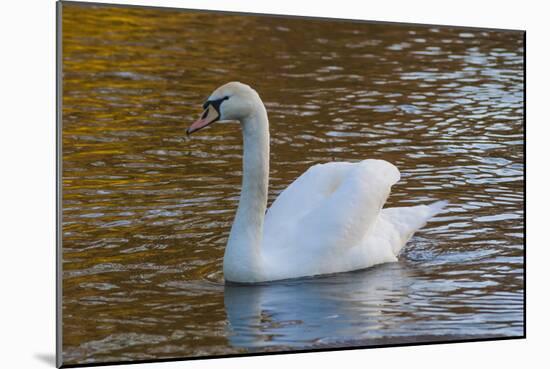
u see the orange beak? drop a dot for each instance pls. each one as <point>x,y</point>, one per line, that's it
<point>209,116</point>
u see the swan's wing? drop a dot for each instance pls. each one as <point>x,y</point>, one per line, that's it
<point>331,205</point>
<point>304,194</point>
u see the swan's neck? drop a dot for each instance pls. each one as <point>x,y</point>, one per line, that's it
<point>242,260</point>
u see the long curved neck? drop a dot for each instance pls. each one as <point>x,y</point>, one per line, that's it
<point>242,260</point>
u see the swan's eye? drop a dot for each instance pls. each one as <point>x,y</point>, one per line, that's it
<point>215,103</point>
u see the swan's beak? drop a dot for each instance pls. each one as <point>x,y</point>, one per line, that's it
<point>209,116</point>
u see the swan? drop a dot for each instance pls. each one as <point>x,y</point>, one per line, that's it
<point>329,220</point>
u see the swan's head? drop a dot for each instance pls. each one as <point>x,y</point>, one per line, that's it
<point>233,101</point>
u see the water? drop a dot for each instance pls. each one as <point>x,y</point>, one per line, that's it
<point>147,211</point>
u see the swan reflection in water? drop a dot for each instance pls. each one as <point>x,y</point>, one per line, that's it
<point>316,311</point>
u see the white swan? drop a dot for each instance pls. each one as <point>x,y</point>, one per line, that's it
<point>328,220</point>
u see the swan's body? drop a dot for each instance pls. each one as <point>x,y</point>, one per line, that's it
<point>328,220</point>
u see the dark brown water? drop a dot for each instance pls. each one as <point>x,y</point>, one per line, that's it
<point>147,211</point>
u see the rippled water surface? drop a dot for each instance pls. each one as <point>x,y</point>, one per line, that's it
<point>147,211</point>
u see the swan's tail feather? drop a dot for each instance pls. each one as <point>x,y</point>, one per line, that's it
<point>436,207</point>
<point>407,220</point>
